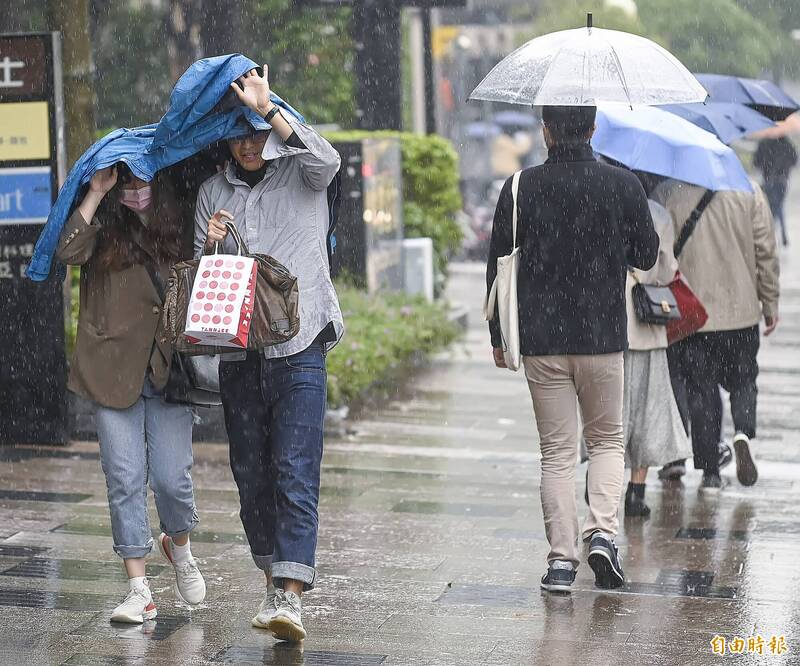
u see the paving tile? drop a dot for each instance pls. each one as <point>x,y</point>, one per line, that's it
<point>456,509</point>
<point>20,551</point>
<point>710,533</point>
<point>41,496</point>
<point>159,629</point>
<point>292,655</point>
<point>486,595</point>
<point>40,567</point>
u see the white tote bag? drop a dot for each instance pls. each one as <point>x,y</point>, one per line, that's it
<point>503,293</point>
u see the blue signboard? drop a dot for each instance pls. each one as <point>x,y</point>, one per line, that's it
<point>25,195</point>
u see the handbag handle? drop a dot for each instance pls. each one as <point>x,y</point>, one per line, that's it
<point>241,246</point>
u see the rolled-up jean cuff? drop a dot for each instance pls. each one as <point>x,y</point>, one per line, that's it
<point>295,571</point>
<point>176,533</point>
<point>263,562</point>
<point>133,552</point>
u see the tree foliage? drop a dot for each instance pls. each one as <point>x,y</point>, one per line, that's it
<point>719,36</point>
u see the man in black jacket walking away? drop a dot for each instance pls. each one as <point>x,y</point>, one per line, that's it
<point>581,223</point>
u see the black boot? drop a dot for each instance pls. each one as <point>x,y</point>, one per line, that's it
<point>634,501</point>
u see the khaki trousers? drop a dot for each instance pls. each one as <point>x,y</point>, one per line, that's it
<point>559,385</point>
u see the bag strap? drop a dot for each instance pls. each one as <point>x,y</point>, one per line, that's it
<point>514,196</point>
<point>691,222</point>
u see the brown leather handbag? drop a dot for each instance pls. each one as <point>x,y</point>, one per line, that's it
<point>276,316</point>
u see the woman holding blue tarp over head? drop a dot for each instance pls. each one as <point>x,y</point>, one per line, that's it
<point>125,235</point>
<point>274,190</point>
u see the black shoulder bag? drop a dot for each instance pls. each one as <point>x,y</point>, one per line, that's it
<point>658,305</point>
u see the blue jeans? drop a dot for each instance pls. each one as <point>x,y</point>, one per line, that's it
<point>149,441</point>
<point>274,414</point>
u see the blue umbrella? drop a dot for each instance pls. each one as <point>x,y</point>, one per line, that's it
<point>727,120</point>
<point>514,119</point>
<point>659,142</point>
<point>761,95</point>
<point>481,130</point>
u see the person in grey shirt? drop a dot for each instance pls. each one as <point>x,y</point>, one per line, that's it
<point>274,192</point>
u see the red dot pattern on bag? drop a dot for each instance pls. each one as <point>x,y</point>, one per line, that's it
<point>226,275</point>
<point>228,308</point>
<point>226,321</point>
<point>217,319</point>
<point>215,274</point>
<point>196,318</point>
<point>218,263</point>
<point>221,296</point>
<point>200,295</point>
<point>206,274</point>
<point>235,286</point>
<point>240,265</point>
<point>208,307</point>
<point>231,297</point>
<point>237,276</point>
<point>206,319</point>
<point>213,284</point>
<point>203,284</point>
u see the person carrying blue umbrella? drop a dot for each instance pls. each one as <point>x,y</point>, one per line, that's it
<point>725,248</point>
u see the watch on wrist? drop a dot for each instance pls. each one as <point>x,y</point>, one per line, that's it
<point>274,112</point>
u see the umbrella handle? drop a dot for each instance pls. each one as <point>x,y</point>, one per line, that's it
<point>589,20</point>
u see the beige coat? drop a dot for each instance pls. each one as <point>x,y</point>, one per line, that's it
<point>119,320</point>
<point>645,337</point>
<point>731,259</point>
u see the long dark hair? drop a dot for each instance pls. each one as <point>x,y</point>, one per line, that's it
<point>165,233</point>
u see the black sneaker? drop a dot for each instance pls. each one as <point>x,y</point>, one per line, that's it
<point>725,454</point>
<point>746,470</point>
<point>558,579</point>
<point>712,483</point>
<point>606,562</point>
<point>672,471</point>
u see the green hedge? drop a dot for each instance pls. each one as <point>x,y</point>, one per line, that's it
<point>431,195</point>
<point>383,333</point>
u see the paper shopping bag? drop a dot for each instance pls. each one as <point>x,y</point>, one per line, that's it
<point>221,305</point>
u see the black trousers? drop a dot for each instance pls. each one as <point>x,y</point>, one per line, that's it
<point>703,363</point>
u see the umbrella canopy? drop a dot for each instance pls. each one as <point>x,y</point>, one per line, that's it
<point>588,66</point>
<point>727,120</point>
<point>763,96</point>
<point>514,119</point>
<point>659,142</point>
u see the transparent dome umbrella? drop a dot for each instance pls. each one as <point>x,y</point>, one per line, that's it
<point>588,66</point>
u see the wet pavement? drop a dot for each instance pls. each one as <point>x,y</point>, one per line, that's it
<point>431,544</point>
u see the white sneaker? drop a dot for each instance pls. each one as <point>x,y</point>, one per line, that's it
<point>746,470</point>
<point>137,607</point>
<point>191,585</point>
<point>286,624</point>
<point>266,610</point>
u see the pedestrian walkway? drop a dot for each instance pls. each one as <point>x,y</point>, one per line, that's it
<point>431,544</point>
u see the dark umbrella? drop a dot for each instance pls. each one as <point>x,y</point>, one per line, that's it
<point>727,120</point>
<point>761,95</point>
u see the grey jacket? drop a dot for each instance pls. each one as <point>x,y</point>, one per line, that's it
<point>286,217</point>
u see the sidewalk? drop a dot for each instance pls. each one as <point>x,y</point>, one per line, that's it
<point>431,545</point>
